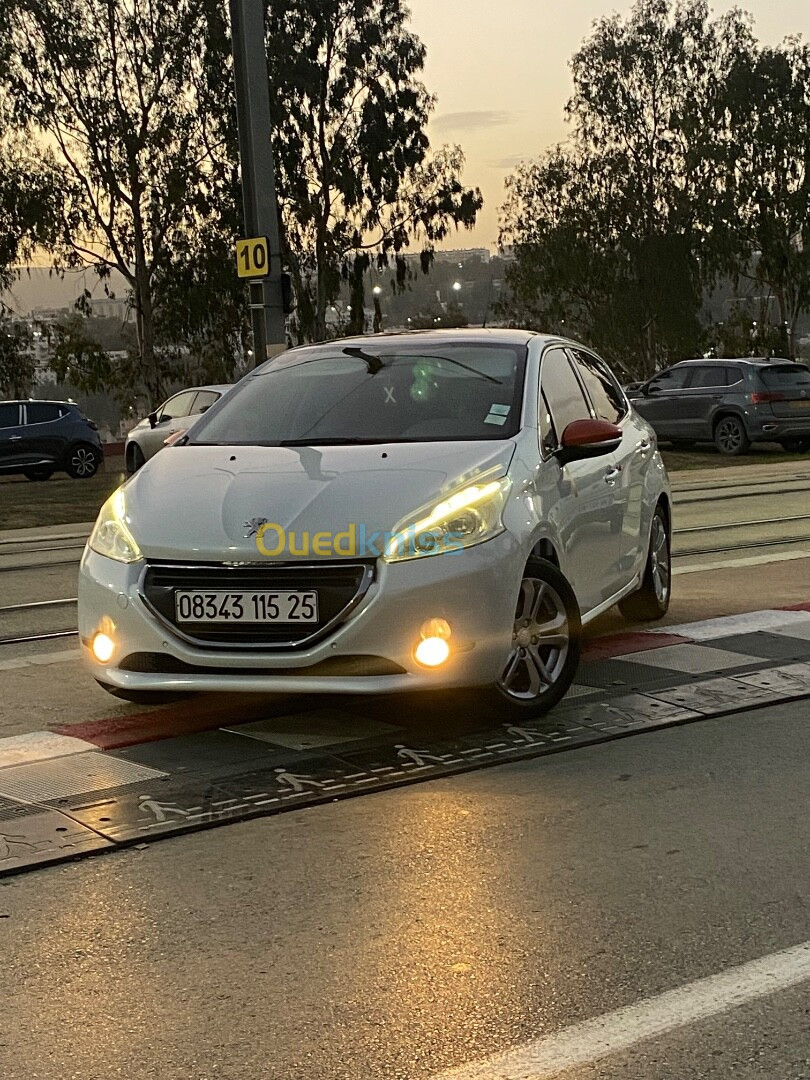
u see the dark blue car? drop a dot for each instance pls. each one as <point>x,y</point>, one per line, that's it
<point>38,438</point>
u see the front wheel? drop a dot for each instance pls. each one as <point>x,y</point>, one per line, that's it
<point>730,436</point>
<point>38,472</point>
<point>796,446</point>
<point>83,462</point>
<point>545,644</point>
<point>651,601</point>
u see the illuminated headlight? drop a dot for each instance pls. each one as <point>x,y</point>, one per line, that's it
<point>111,535</point>
<point>468,516</point>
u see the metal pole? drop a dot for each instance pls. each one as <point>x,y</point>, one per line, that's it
<point>258,178</point>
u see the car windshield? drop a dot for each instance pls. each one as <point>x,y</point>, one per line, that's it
<point>781,378</point>
<point>374,393</point>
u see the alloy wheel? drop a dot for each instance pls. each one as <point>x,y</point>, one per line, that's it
<point>83,461</point>
<point>729,435</point>
<point>659,559</point>
<point>540,642</point>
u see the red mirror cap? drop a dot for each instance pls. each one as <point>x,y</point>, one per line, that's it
<point>590,433</point>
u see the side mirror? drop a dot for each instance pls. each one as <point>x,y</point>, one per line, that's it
<point>587,439</point>
<point>205,408</point>
<point>152,418</point>
<point>652,388</point>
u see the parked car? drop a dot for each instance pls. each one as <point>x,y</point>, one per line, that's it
<point>39,438</point>
<point>178,413</point>
<point>731,403</point>
<point>384,514</point>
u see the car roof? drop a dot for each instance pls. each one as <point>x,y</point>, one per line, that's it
<point>760,360</point>
<point>221,387</point>
<point>37,401</point>
<point>475,335</point>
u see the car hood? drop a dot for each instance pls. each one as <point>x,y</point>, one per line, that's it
<point>200,502</point>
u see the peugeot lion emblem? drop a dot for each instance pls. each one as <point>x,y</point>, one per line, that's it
<point>252,527</point>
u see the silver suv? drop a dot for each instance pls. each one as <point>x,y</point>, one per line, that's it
<point>731,403</point>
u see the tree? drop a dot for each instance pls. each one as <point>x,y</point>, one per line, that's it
<point>355,174</point>
<point>769,103</point>
<point>122,90</point>
<point>616,232</point>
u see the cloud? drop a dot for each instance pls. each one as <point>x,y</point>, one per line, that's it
<point>469,121</point>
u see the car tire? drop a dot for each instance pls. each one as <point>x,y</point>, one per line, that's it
<point>135,458</point>
<point>39,472</point>
<point>83,462</point>
<point>796,446</point>
<point>730,436</point>
<point>144,697</point>
<point>651,601</point>
<point>537,675</point>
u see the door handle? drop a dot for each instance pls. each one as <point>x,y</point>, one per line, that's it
<point>14,438</point>
<point>612,474</point>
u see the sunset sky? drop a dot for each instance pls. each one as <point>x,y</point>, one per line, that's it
<point>500,71</point>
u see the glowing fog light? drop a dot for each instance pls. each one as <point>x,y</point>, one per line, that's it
<point>103,647</point>
<point>433,650</point>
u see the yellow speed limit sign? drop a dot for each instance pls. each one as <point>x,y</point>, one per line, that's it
<point>253,257</point>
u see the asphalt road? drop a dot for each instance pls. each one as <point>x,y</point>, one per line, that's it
<point>395,935</point>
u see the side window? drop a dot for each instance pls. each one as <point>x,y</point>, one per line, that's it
<point>204,400</point>
<point>673,379</point>
<point>603,390</point>
<point>562,392</point>
<point>734,375</point>
<point>177,406</point>
<point>9,414</point>
<point>705,376</point>
<point>37,412</point>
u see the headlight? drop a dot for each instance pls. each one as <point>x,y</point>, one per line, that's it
<point>468,516</point>
<point>111,535</point>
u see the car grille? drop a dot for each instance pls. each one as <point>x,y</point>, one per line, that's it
<point>340,587</point>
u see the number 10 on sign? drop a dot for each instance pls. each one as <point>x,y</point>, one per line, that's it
<point>252,257</point>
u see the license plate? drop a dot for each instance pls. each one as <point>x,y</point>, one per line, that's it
<point>246,607</point>
<point>800,404</point>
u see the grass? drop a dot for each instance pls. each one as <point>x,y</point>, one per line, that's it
<point>62,501</point>
<point>58,501</point>
<point>706,457</point>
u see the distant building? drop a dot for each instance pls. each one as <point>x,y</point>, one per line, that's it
<point>110,308</point>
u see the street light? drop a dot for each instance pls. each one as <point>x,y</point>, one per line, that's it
<point>457,286</point>
<point>377,291</point>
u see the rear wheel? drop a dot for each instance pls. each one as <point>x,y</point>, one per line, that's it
<point>651,601</point>
<point>730,436</point>
<point>83,462</point>
<point>39,472</point>
<point>143,697</point>
<point>796,446</point>
<point>545,644</point>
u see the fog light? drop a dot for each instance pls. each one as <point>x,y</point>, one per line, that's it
<point>432,651</point>
<point>103,647</point>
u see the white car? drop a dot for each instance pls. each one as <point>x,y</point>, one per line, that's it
<point>384,514</point>
<point>177,413</point>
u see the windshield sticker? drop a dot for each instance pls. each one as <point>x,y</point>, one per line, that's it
<point>497,415</point>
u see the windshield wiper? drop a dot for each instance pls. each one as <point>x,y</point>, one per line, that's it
<point>373,363</point>
<point>458,363</point>
<point>337,441</point>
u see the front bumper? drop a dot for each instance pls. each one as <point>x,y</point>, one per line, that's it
<point>474,590</point>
